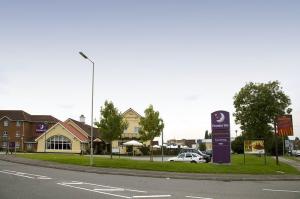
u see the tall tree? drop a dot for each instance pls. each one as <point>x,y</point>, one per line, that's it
<point>256,107</point>
<point>206,135</point>
<point>111,123</point>
<point>151,127</point>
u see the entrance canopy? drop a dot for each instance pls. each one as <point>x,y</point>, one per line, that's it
<point>132,143</point>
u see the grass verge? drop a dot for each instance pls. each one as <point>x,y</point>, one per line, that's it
<point>293,158</point>
<point>254,164</point>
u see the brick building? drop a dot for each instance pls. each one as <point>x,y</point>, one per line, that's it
<point>18,129</point>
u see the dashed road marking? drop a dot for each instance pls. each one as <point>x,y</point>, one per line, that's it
<point>108,190</point>
<point>152,196</point>
<point>26,175</point>
<point>281,190</point>
<point>197,197</point>
<point>92,190</point>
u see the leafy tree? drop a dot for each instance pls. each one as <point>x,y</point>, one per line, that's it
<point>256,107</point>
<point>111,123</point>
<point>238,145</point>
<point>202,147</point>
<point>207,135</point>
<point>151,127</point>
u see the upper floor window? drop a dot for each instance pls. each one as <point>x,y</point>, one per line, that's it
<point>18,123</point>
<point>5,133</point>
<point>5,123</point>
<point>17,134</point>
<point>136,129</point>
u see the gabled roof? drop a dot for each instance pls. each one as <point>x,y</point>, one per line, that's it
<point>19,115</point>
<point>15,115</point>
<point>75,132</point>
<point>86,128</point>
<point>70,129</point>
<point>131,110</point>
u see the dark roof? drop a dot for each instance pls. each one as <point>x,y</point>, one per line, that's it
<point>87,128</point>
<point>39,118</point>
<point>23,116</point>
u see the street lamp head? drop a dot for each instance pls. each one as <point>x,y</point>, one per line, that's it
<point>83,55</point>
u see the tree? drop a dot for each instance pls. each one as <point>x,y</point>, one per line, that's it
<point>256,107</point>
<point>202,147</point>
<point>238,145</point>
<point>207,135</point>
<point>111,123</point>
<point>151,127</point>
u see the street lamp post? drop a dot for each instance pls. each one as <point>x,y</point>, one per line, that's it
<point>162,146</point>
<point>91,154</point>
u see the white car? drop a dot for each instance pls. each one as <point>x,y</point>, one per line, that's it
<point>296,152</point>
<point>187,157</point>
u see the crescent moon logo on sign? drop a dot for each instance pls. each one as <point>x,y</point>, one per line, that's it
<point>222,118</point>
<point>42,126</point>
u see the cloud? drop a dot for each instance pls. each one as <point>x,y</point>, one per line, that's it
<point>66,106</point>
<point>192,98</point>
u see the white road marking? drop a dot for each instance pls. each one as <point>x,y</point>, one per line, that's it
<point>67,185</point>
<point>152,196</point>
<point>104,189</point>
<point>25,175</point>
<point>16,174</point>
<point>134,190</point>
<point>197,197</point>
<point>104,186</point>
<point>109,189</point>
<point>281,190</point>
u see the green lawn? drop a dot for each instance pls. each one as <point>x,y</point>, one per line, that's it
<point>254,165</point>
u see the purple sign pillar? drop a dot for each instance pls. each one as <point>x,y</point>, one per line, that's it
<point>220,125</point>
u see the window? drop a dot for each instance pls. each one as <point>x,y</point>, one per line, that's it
<point>194,155</point>
<point>59,142</point>
<point>18,123</point>
<point>4,144</point>
<point>17,134</point>
<point>181,156</point>
<point>188,155</point>
<point>136,129</point>
<point>17,145</point>
<point>5,133</point>
<point>5,123</point>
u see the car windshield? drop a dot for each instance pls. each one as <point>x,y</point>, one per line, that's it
<point>188,155</point>
<point>181,156</point>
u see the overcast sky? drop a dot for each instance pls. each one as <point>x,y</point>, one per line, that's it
<point>187,58</point>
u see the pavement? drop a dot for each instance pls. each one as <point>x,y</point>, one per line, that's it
<point>154,174</point>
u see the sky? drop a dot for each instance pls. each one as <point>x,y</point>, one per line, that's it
<point>186,58</point>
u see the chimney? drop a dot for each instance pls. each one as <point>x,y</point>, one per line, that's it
<point>82,119</point>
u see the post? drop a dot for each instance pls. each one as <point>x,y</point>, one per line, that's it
<point>244,154</point>
<point>91,153</point>
<point>282,146</point>
<point>162,146</point>
<point>276,142</point>
<point>45,142</point>
<point>91,157</point>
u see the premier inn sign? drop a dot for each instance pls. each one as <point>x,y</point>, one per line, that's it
<point>220,125</point>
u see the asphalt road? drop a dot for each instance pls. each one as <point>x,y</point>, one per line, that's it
<point>23,181</point>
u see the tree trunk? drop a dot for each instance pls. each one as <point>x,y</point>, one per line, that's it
<point>151,153</point>
<point>111,150</point>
